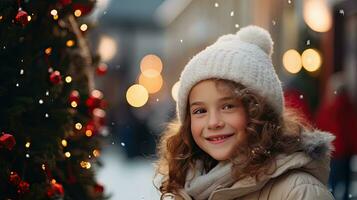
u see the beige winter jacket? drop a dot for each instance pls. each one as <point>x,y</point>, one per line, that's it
<point>302,175</point>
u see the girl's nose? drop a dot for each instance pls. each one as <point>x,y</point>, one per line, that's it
<point>214,122</point>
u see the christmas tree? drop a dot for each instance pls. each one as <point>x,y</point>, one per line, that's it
<point>50,113</point>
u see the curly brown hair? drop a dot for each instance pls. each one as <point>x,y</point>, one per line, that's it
<point>269,134</point>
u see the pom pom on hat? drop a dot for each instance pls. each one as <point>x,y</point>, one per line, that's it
<point>244,57</point>
<point>258,36</point>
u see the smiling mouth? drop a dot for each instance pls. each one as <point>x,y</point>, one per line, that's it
<point>219,138</point>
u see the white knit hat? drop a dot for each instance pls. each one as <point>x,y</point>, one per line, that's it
<point>244,58</point>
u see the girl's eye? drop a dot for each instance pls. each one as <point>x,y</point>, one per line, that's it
<point>199,111</point>
<point>228,106</point>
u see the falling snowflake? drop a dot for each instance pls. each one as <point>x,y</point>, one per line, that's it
<point>236,25</point>
<point>27,155</point>
<point>342,12</point>
<point>40,101</point>
<point>122,144</point>
<point>308,42</point>
<point>22,71</point>
<point>47,93</point>
<point>157,100</point>
<point>274,22</point>
<point>181,40</point>
<point>232,13</point>
<point>301,96</point>
<point>289,1</point>
<point>17,85</point>
<point>216,5</point>
<point>335,92</point>
<point>46,115</point>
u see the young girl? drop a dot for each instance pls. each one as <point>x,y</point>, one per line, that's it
<point>233,138</point>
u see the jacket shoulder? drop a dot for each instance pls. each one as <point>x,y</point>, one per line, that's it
<point>297,184</point>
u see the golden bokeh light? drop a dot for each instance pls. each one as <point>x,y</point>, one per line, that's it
<point>89,133</point>
<point>74,104</point>
<point>174,90</point>
<point>107,48</point>
<point>48,50</point>
<point>151,65</point>
<point>83,27</point>
<point>68,79</point>
<point>70,43</point>
<point>78,126</point>
<point>54,12</point>
<point>67,154</point>
<point>311,60</point>
<point>64,142</point>
<point>28,144</point>
<point>96,153</point>
<point>77,13</point>
<point>137,95</point>
<point>152,84</point>
<point>85,165</point>
<point>317,15</point>
<point>292,61</point>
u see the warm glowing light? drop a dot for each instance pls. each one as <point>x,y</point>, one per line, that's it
<point>53,181</point>
<point>107,48</point>
<point>74,104</point>
<point>67,154</point>
<point>48,50</point>
<point>174,90</point>
<point>1,17</point>
<point>78,126</point>
<point>151,65</point>
<point>152,84</point>
<point>43,166</point>
<point>68,79</point>
<point>54,12</point>
<point>85,165</point>
<point>311,60</point>
<point>64,142</point>
<point>70,43</point>
<point>317,15</point>
<point>27,145</point>
<point>77,13</point>
<point>137,95</point>
<point>292,61</point>
<point>89,133</point>
<point>83,27</point>
<point>96,153</point>
<point>55,17</point>
<point>97,94</point>
<point>29,18</point>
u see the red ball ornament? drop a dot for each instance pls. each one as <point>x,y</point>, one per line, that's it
<point>55,190</point>
<point>23,187</point>
<point>21,17</point>
<point>98,188</point>
<point>7,141</point>
<point>102,69</point>
<point>65,2</point>
<point>55,77</point>
<point>94,100</point>
<point>14,178</point>
<point>74,96</point>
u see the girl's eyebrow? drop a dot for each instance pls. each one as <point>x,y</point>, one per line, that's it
<point>227,98</point>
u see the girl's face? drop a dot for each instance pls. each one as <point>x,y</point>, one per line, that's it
<point>218,119</point>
